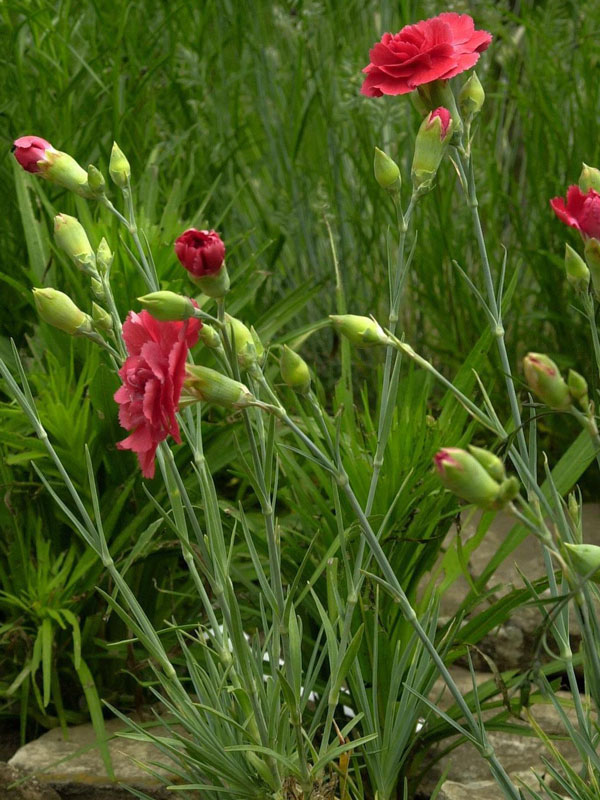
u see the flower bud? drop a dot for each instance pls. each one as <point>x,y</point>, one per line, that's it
<point>574,509</point>
<point>208,385</point>
<point>361,331</point>
<point>119,168</point>
<point>591,251</point>
<point>462,474</point>
<point>209,337</point>
<point>432,141</point>
<point>104,257</point>
<point>294,370</point>
<point>96,182</point>
<point>489,461</point>
<point>386,171</point>
<point>98,289</point>
<point>585,559</point>
<point>101,319</point>
<point>71,237</point>
<point>577,270</point>
<point>167,306</point>
<point>589,179</point>
<point>62,169</point>
<point>546,382</point>
<point>578,388</point>
<point>58,310</point>
<point>244,342</point>
<point>30,150</point>
<point>471,97</point>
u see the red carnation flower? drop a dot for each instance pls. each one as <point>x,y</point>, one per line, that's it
<point>28,150</point>
<point>433,49</point>
<point>152,378</point>
<point>201,252</point>
<point>581,211</point>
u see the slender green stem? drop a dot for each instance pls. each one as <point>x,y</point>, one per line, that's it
<point>468,182</point>
<point>590,312</point>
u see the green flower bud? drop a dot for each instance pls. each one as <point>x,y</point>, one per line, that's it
<point>591,251</point>
<point>98,290</point>
<point>589,179</point>
<point>489,461</point>
<point>546,382</point>
<point>294,370</point>
<point>215,285</point>
<point>167,305</point>
<point>96,182</point>
<point>431,144</point>
<point>471,97</point>
<point>58,310</point>
<point>119,168</point>
<point>577,270</point>
<point>578,388</point>
<point>104,257</point>
<point>361,331</point>
<point>208,385</point>
<point>244,342</point>
<point>509,489</point>
<point>209,337</point>
<point>462,474</point>
<point>585,559</point>
<point>62,169</point>
<point>574,512</point>
<point>101,319</point>
<point>386,171</point>
<point>71,237</point>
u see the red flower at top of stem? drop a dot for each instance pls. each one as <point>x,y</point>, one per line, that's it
<point>201,252</point>
<point>152,378</point>
<point>434,49</point>
<point>581,211</point>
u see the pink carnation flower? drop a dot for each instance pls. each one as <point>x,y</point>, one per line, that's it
<point>152,378</point>
<point>434,49</point>
<point>581,211</point>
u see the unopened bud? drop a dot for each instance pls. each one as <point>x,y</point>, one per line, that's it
<point>209,337</point>
<point>471,97</point>
<point>578,388</point>
<point>360,331</point>
<point>167,305</point>
<point>462,474</point>
<point>58,310</point>
<point>62,169</point>
<point>119,168</point>
<point>592,259</point>
<point>386,171</point>
<point>432,141</point>
<point>577,270</point>
<point>98,289</point>
<point>585,559</point>
<point>71,237</point>
<point>573,508</point>
<point>489,461</point>
<point>243,342</point>
<point>208,385</point>
<point>101,319</point>
<point>96,182</point>
<point>294,370</point>
<point>589,179</point>
<point>104,257</point>
<point>546,382</point>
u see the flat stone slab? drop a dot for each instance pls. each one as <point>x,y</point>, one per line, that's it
<point>59,762</point>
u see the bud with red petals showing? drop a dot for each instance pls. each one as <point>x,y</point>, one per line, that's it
<point>431,144</point>
<point>546,382</point>
<point>466,477</point>
<point>202,253</point>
